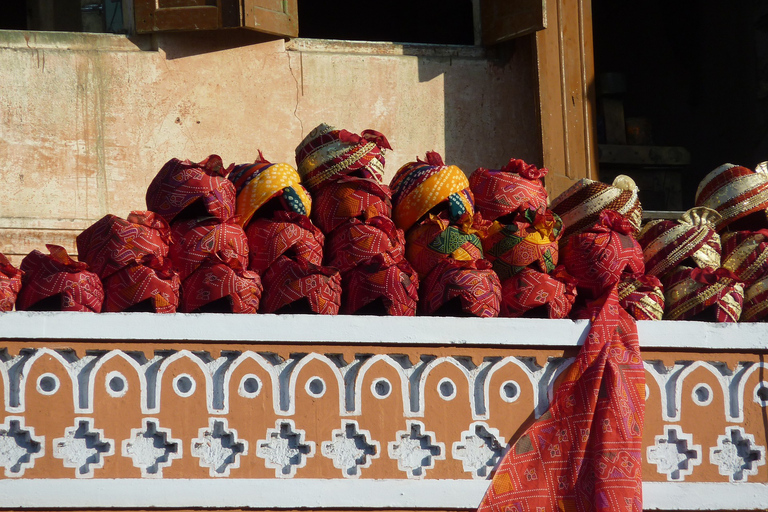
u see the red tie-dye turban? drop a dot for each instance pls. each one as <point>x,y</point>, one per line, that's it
<point>197,240</point>
<point>515,186</point>
<point>139,287</point>
<point>348,197</point>
<point>284,233</point>
<point>461,288</point>
<point>534,294</point>
<point>58,283</point>
<point>356,242</point>
<point>180,184</point>
<point>299,287</point>
<point>217,288</point>
<point>379,286</point>
<point>113,243</point>
<point>599,256</point>
<point>10,283</point>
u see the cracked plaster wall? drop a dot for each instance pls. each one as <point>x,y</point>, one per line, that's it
<point>86,120</point>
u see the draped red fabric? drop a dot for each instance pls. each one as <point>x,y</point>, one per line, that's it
<point>585,452</point>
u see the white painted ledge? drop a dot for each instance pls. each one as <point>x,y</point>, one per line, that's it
<point>318,493</point>
<point>364,330</point>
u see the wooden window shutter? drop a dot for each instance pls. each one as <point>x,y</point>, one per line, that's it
<point>278,17</point>
<point>501,20</point>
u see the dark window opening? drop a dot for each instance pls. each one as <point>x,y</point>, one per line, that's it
<point>400,21</point>
<point>63,15</point>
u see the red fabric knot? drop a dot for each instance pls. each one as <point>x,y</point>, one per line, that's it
<point>710,276</point>
<point>614,221</point>
<point>528,171</point>
<point>377,138</point>
<point>433,158</point>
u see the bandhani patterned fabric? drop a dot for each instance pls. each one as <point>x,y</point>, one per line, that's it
<point>356,242</point>
<point>473,283</point>
<point>327,153</point>
<point>112,243</point>
<point>755,302</point>
<point>239,290</point>
<point>181,183</point>
<point>585,453</point>
<point>131,286</point>
<point>10,283</point>
<point>745,253</point>
<point>74,287</point>
<point>739,194</point>
<point>420,186</point>
<point>642,297</point>
<point>261,181</point>
<point>691,293</point>
<point>350,196</point>
<point>530,239</point>
<point>287,281</point>
<point>530,291</point>
<point>197,240</point>
<point>435,239</point>
<point>599,257</point>
<point>378,278</point>
<point>285,232</point>
<point>667,244</point>
<point>501,192</point>
<point>580,205</point>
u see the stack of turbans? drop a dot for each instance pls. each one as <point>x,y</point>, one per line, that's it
<point>56,282</point>
<point>520,238</point>
<point>343,171</point>
<point>286,248</point>
<point>433,204</point>
<point>599,248</point>
<point>131,259</point>
<point>209,248</point>
<point>740,196</point>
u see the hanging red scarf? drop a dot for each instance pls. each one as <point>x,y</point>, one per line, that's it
<point>585,453</point>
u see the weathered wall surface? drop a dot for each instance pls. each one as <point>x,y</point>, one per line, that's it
<point>87,120</point>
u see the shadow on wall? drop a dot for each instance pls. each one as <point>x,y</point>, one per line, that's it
<point>490,105</point>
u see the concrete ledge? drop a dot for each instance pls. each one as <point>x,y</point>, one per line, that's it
<point>366,330</point>
<point>73,41</point>
<point>320,493</point>
<point>384,48</point>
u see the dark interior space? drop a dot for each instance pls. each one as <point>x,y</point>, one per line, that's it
<point>691,75</point>
<point>400,21</point>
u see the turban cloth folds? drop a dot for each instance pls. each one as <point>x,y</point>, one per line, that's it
<point>739,195</point>
<point>421,186</point>
<point>531,293</point>
<point>348,197</point>
<point>287,282</point>
<point>259,183</point>
<point>197,240</point>
<point>10,283</point>
<point>598,258</point>
<point>515,186</point>
<point>285,233</point>
<point>327,153</point>
<point>180,184</point>
<point>67,284</point>
<point>471,285</point>
<point>579,207</point>
<point>218,288</point>
<point>692,293</point>
<point>112,243</point>
<point>435,239</point>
